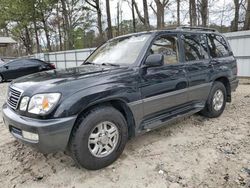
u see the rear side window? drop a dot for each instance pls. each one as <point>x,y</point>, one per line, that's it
<point>195,47</point>
<point>16,63</point>
<point>217,46</point>
<point>35,61</point>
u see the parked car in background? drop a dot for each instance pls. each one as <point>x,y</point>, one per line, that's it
<point>130,85</point>
<point>1,61</point>
<point>21,67</point>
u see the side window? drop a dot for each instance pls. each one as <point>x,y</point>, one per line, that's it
<point>195,47</point>
<point>217,46</point>
<point>15,63</point>
<point>166,45</point>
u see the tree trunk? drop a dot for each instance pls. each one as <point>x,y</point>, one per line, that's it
<point>110,35</point>
<point>99,19</point>
<point>27,41</point>
<point>162,17</point>
<point>236,15</point>
<point>59,28</point>
<point>37,38</point>
<point>118,19</point>
<point>35,28</point>
<point>192,13</point>
<point>204,12</point>
<point>96,5</point>
<point>146,17</point>
<point>178,12</point>
<point>46,30</point>
<point>158,14</point>
<point>133,16</point>
<point>68,33</point>
<point>138,12</point>
<point>247,17</point>
<point>160,9</point>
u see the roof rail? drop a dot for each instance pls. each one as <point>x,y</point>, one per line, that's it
<point>197,28</point>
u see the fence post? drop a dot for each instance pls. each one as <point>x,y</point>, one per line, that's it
<point>76,57</point>
<point>65,59</point>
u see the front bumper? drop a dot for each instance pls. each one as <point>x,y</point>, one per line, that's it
<point>53,133</point>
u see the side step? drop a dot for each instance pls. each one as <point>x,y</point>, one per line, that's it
<point>168,118</point>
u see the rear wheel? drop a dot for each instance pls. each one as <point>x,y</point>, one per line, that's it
<point>216,101</point>
<point>99,138</point>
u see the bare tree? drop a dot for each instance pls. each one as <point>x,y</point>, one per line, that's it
<point>34,18</point>
<point>236,15</point>
<point>247,17</point>
<point>144,19</point>
<point>133,15</point>
<point>159,12</point>
<point>96,5</point>
<point>67,30</point>
<point>110,35</point>
<point>204,12</point>
<point>178,12</point>
<point>192,13</point>
<point>118,18</point>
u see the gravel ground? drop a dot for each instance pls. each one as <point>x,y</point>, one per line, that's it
<point>193,152</point>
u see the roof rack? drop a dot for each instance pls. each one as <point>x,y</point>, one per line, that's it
<point>197,28</point>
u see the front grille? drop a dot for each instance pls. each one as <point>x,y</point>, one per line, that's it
<point>13,97</point>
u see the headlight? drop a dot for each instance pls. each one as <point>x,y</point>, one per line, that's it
<point>42,103</point>
<point>24,103</point>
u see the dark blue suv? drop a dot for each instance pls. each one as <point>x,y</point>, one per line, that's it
<point>129,85</point>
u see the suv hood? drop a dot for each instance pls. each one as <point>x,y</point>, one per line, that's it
<point>65,80</point>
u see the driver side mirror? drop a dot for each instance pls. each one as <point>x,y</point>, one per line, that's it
<point>6,66</point>
<point>154,60</point>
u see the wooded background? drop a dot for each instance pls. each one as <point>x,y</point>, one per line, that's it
<point>54,25</point>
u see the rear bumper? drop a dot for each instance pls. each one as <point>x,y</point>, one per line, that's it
<point>234,84</point>
<point>53,133</point>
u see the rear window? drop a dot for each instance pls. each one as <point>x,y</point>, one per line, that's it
<point>195,47</point>
<point>217,46</point>
<point>37,61</point>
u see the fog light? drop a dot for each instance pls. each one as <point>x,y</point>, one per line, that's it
<point>30,136</point>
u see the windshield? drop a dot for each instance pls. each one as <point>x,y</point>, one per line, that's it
<point>121,51</point>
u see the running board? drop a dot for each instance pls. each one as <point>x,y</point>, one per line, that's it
<point>168,118</point>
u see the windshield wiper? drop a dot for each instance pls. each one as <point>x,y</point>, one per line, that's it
<point>88,63</point>
<point>110,64</point>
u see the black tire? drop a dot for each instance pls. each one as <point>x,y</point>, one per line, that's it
<point>209,110</point>
<point>79,146</point>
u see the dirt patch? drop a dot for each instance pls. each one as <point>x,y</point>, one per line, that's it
<point>193,152</point>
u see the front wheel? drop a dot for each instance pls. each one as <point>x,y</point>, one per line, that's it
<point>99,138</point>
<point>216,101</point>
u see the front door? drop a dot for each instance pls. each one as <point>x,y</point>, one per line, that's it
<point>164,87</point>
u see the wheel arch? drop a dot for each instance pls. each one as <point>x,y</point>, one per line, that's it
<point>2,76</point>
<point>119,105</point>
<point>225,81</point>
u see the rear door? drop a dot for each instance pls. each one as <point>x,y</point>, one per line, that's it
<point>32,66</point>
<point>198,66</point>
<point>164,87</point>
<point>222,59</point>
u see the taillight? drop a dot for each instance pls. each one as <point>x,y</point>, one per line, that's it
<point>52,66</point>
